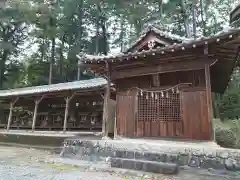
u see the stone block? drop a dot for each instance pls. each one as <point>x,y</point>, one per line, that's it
<point>148,156</point>
<point>109,152</point>
<point>213,163</point>
<point>129,155</point>
<point>194,162</point>
<point>139,155</point>
<point>152,167</point>
<point>159,167</point>
<point>172,158</point>
<point>232,164</point>
<point>128,164</point>
<point>116,163</point>
<point>102,152</point>
<point>163,157</point>
<point>183,159</point>
<point>120,154</point>
<point>169,169</point>
<point>138,165</point>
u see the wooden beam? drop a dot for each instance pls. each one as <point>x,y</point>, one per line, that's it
<point>11,113</point>
<point>37,102</point>
<point>164,68</point>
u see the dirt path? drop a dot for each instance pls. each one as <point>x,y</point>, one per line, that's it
<point>31,164</point>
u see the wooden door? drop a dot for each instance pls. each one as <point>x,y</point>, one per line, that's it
<point>194,114</point>
<point>125,114</point>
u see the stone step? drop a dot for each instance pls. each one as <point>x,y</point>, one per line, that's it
<point>149,156</point>
<point>147,166</point>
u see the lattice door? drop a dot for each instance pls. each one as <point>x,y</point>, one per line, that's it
<point>159,114</point>
<point>158,108</point>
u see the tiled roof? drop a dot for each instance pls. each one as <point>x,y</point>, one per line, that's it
<point>84,84</point>
<point>171,48</point>
<point>165,34</point>
<point>235,14</point>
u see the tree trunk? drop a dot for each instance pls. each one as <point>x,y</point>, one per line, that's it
<point>194,21</point>
<point>103,25</point>
<point>202,18</point>
<point>185,18</point>
<point>97,29</point>
<point>3,67</point>
<point>122,35</point>
<point>61,58</point>
<point>160,9</point>
<point>52,61</point>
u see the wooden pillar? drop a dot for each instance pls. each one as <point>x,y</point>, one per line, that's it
<point>10,113</point>
<point>66,114</point>
<point>67,99</point>
<point>209,100</point>
<point>37,102</point>
<point>106,102</point>
<point>104,112</point>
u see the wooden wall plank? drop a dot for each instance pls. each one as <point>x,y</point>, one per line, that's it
<point>155,129</point>
<point>147,129</point>
<point>194,115</point>
<point>125,114</point>
<point>140,127</point>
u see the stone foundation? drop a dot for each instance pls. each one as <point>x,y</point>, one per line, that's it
<point>124,155</point>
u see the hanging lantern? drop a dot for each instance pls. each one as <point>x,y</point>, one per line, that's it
<point>152,95</point>
<point>156,96</point>
<point>146,96</point>
<point>141,93</point>
<point>167,96</point>
<point>173,90</point>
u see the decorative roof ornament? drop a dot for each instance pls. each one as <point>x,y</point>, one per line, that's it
<point>151,44</point>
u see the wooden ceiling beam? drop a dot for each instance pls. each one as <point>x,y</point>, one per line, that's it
<point>165,68</point>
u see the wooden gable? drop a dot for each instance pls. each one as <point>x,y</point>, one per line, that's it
<point>153,38</point>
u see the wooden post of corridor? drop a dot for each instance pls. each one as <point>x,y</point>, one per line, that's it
<point>67,99</point>
<point>37,102</point>
<point>11,113</point>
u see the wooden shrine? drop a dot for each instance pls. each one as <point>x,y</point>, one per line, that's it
<point>164,83</point>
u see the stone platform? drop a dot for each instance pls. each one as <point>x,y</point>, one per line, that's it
<point>158,156</point>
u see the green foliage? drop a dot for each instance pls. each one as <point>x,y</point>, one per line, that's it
<point>60,29</point>
<point>227,133</point>
<point>225,137</point>
<point>229,102</point>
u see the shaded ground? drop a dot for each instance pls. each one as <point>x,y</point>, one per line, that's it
<point>30,164</point>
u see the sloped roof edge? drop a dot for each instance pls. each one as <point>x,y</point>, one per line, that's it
<point>84,84</point>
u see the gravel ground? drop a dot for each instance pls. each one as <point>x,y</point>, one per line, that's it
<point>31,164</point>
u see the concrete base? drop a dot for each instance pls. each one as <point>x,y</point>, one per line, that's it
<point>43,138</point>
<point>50,133</point>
